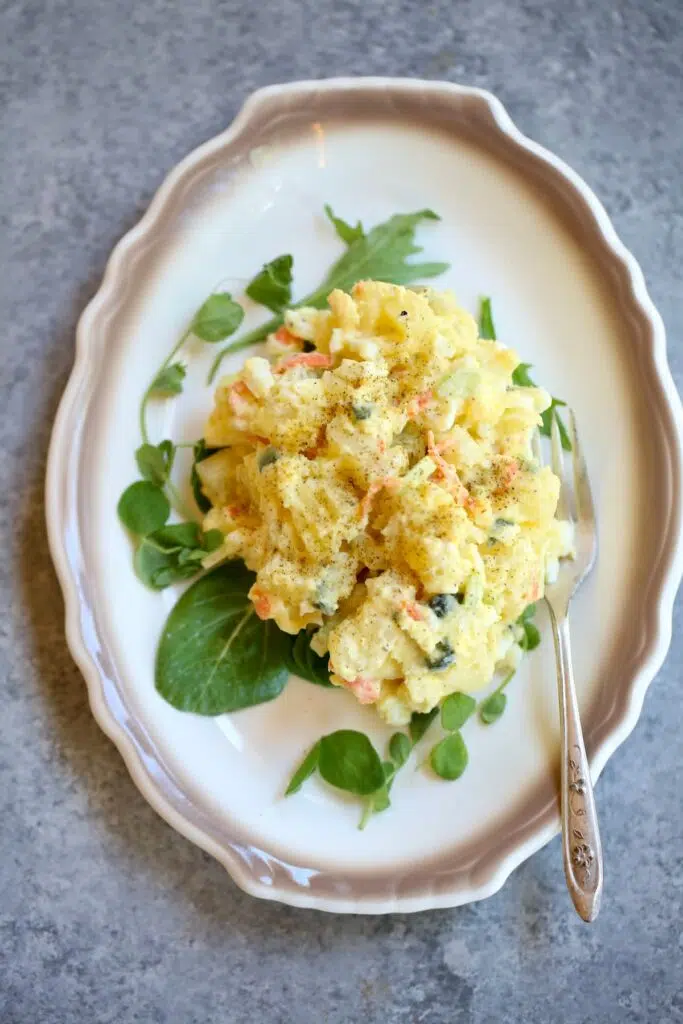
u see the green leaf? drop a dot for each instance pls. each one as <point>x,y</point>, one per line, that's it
<point>449,757</point>
<point>532,637</point>
<point>305,663</point>
<point>347,233</point>
<point>177,536</point>
<point>155,461</point>
<point>273,286</point>
<point>218,318</point>
<point>212,540</point>
<point>455,710</point>
<point>215,655</point>
<point>143,507</point>
<point>304,771</point>
<point>380,255</point>
<point>399,748</point>
<point>487,328</point>
<point>528,613</point>
<point>169,380</point>
<point>419,723</point>
<point>550,414</point>
<point>349,761</point>
<point>158,567</point>
<point>520,376</point>
<point>493,707</point>
<point>200,452</point>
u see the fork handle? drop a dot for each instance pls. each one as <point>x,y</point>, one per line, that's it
<point>581,848</point>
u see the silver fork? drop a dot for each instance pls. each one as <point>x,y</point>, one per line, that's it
<point>581,849</point>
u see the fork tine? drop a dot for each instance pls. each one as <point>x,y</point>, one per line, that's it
<point>584,498</point>
<point>563,502</point>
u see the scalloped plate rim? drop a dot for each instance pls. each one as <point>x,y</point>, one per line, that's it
<point>114,720</point>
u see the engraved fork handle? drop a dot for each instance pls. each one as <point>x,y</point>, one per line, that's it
<point>581,849</point>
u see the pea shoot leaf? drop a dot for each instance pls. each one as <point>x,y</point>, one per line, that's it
<point>272,287</point>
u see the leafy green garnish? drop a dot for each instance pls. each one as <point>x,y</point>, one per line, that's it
<point>346,232</point>
<point>487,328</point>
<point>399,749</point>
<point>169,380</point>
<point>217,318</point>
<point>272,287</point>
<point>304,771</point>
<point>531,637</point>
<point>449,758</point>
<point>215,655</point>
<point>143,507</point>
<point>349,761</point>
<point>304,662</point>
<point>174,553</point>
<point>493,707</point>
<point>521,378</point>
<point>381,255</point>
<point>200,452</point>
<point>455,711</point>
<point>550,414</point>
<point>420,722</point>
<point>155,461</point>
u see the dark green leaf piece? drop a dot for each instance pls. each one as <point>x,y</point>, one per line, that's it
<point>215,655</point>
<point>449,757</point>
<point>419,723</point>
<point>487,329</point>
<point>143,507</point>
<point>493,707</point>
<point>399,748</point>
<point>201,452</point>
<point>349,761</point>
<point>455,710</point>
<point>272,287</point>
<point>305,663</point>
<point>217,318</point>
<point>304,771</point>
<point>346,232</point>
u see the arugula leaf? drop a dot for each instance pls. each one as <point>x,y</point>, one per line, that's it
<point>520,376</point>
<point>143,507</point>
<point>347,233</point>
<point>550,414</point>
<point>155,461</point>
<point>349,761</point>
<point>399,749</point>
<point>305,663</point>
<point>449,758</point>
<point>487,328</point>
<point>493,707</point>
<point>169,380</point>
<point>380,255</point>
<point>272,287</point>
<point>304,771</point>
<point>217,318</point>
<point>455,710</point>
<point>419,723</point>
<point>215,655</point>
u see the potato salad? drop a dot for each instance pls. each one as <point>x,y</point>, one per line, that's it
<point>375,469</point>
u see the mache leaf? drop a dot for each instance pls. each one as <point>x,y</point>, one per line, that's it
<point>215,655</point>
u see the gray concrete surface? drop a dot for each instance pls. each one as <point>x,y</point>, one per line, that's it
<point>106,915</point>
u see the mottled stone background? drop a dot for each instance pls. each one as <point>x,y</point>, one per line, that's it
<point>106,915</point>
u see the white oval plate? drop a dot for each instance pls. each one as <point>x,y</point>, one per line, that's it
<point>518,225</point>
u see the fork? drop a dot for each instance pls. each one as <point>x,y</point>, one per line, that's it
<point>581,848</point>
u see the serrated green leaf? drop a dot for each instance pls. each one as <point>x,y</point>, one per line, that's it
<point>346,232</point>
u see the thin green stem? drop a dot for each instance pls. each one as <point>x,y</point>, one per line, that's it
<point>147,395</point>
